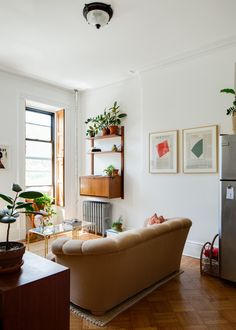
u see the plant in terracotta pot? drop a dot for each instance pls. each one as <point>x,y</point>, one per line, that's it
<point>114,118</point>
<point>44,205</point>
<point>11,253</point>
<point>231,110</point>
<point>92,130</point>
<point>117,225</point>
<point>100,123</point>
<point>111,171</point>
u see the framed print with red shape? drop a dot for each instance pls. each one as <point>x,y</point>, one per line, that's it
<point>163,152</point>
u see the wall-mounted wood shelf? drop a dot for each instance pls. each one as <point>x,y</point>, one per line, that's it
<point>103,152</point>
<point>102,137</point>
<point>104,186</point>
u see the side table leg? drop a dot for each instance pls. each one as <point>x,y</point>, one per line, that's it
<point>45,246</point>
<point>28,241</point>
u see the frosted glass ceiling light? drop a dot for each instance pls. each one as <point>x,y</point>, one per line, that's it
<point>97,13</point>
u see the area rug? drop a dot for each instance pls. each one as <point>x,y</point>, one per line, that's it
<point>111,314</point>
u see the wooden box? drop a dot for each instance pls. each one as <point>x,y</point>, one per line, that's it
<point>101,186</point>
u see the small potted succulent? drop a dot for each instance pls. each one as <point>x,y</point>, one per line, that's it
<point>114,118</point>
<point>11,253</point>
<point>231,111</point>
<point>117,225</point>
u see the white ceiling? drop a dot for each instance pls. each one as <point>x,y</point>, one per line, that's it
<point>51,41</point>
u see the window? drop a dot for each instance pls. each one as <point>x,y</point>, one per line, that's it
<point>40,141</point>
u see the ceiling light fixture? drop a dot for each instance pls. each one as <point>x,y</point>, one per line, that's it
<point>97,13</point>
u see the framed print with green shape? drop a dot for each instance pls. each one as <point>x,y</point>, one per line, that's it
<point>200,149</point>
<point>163,152</point>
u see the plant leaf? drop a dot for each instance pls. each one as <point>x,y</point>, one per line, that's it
<point>23,205</point>
<point>7,219</point>
<point>122,115</point>
<point>6,198</point>
<point>16,187</point>
<point>31,194</point>
<point>228,90</point>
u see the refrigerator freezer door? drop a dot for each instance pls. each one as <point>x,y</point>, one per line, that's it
<point>228,157</point>
<point>228,231</point>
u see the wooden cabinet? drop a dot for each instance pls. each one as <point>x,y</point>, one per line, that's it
<point>37,297</point>
<point>104,186</point>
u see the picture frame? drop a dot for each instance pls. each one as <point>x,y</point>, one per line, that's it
<point>4,157</point>
<point>200,149</point>
<point>163,156</point>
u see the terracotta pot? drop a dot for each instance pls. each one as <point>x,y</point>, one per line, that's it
<point>11,260</point>
<point>105,131</point>
<point>114,129</point>
<point>115,172</point>
<point>234,123</point>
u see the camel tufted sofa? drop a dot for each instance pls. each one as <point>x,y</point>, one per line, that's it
<point>107,271</point>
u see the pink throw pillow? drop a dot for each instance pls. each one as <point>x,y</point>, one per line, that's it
<point>155,220</point>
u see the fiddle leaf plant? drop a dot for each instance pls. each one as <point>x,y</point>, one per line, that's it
<point>11,212</point>
<point>114,115</point>
<point>231,110</point>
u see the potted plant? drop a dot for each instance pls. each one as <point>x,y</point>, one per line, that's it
<point>114,118</point>
<point>11,253</point>
<point>117,225</point>
<point>92,130</point>
<point>231,110</point>
<point>100,123</point>
<point>44,205</point>
<point>111,171</point>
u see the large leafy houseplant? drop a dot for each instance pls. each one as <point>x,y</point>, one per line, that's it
<point>11,252</point>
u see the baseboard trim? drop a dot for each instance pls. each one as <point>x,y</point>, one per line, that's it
<point>192,249</point>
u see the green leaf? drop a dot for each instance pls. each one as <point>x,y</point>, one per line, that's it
<point>228,90</point>
<point>7,198</point>
<point>31,194</point>
<point>7,219</point>
<point>16,187</point>
<point>122,115</point>
<point>9,207</point>
<point>23,205</point>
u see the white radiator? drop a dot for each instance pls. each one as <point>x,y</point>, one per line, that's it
<point>99,214</point>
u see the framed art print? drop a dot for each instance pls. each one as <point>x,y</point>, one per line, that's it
<point>200,149</point>
<point>4,154</point>
<point>163,152</point>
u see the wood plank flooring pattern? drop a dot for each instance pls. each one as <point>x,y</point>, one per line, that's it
<point>189,301</point>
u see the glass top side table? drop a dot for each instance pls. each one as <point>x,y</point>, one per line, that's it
<point>49,231</point>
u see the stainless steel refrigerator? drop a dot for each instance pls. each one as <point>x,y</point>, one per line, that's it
<point>228,207</point>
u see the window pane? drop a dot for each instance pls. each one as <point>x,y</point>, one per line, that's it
<point>38,149</point>
<point>38,118</point>
<point>38,132</point>
<point>38,164</point>
<point>34,178</point>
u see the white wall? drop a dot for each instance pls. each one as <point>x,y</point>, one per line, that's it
<point>14,92</point>
<point>174,96</point>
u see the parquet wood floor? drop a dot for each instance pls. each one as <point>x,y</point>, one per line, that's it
<point>190,301</point>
